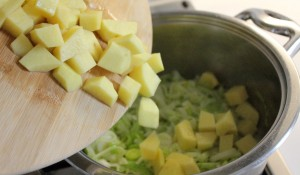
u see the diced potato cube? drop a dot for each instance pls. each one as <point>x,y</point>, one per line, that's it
<point>156,63</point>
<point>150,147</point>
<point>39,59</point>
<point>145,75</point>
<point>33,12</point>
<point>246,143</point>
<point>246,127</point>
<point>148,113</point>
<point>206,121</point>
<point>226,142</point>
<point>226,124</point>
<point>137,60</point>
<point>67,78</point>
<point>73,45</point>
<point>158,162</point>
<point>21,45</point>
<point>218,116</point>
<point>47,7</point>
<point>93,45</point>
<point>91,20</point>
<point>41,25</point>
<point>171,167</point>
<point>185,135</point>
<point>64,17</point>
<point>2,2</point>
<point>82,62</point>
<point>115,59</point>
<point>206,140</point>
<point>209,80</point>
<point>112,29</point>
<point>236,95</point>
<point>187,163</point>
<point>247,111</point>
<point>18,22</point>
<point>49,36</point>
<point>102,89</point>
<point>7,8</point>
<point>131,42</point>
<point>74,4</point>
<point>129,90</point>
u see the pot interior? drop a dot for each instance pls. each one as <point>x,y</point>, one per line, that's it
<point>195,44</point>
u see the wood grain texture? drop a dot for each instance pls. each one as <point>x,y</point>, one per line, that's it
<point>40,123</point>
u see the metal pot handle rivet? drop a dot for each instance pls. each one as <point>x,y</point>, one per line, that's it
<point>275,23</point>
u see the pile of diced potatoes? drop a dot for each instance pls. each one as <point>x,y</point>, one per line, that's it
<point>231,132</point>
<point>62,37</point>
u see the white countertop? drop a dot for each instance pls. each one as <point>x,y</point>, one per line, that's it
<point>290,149</point>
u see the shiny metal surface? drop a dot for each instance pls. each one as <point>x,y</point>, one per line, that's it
<point>194,42</point>
<point>275,23</point>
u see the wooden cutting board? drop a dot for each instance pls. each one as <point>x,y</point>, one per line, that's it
<point>40,123</point>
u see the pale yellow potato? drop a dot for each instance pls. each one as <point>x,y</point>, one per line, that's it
<point>206,140</point>
<point>148,113</point>
<point>187,163</point>
<point>47,7</point>
<point>41,25</point>
<point>115,59</point>
<point>246,143</point>
<point>33,12</point>
<point>39,59</point>
<point>150,146</point>
<point>93,45</point>
<point>91,20</point>
<point>2,2</point>
<point>149,80</point>
<point>82,62</point>
<point>18,23</point>
<point>64,17</point>
<point>209,80</point>
<point>248,112</point>
<point>236,95</point>
<point>226,124</point>
<point>206,121</point>
<point>49,36</point>
<point>21,45</point>
<point>7,8</point>
<point>137,60</point>
<point>246,127</point>
<point>131,42</point>
<point>171,167</point>
<point>185,135</point>
<point>112,28</point>
<point>128,90</point>
<point>73,45</point>
<point>158,162</point>
<point>102,89</point>
<point>67,77</point>
<point>75,4</point>
<point>226,142</point>
<point>156,63</point>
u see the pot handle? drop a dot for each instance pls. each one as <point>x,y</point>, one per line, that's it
<point>275,23</point>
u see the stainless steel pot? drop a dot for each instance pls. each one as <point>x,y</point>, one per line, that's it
<point>238,53</point>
